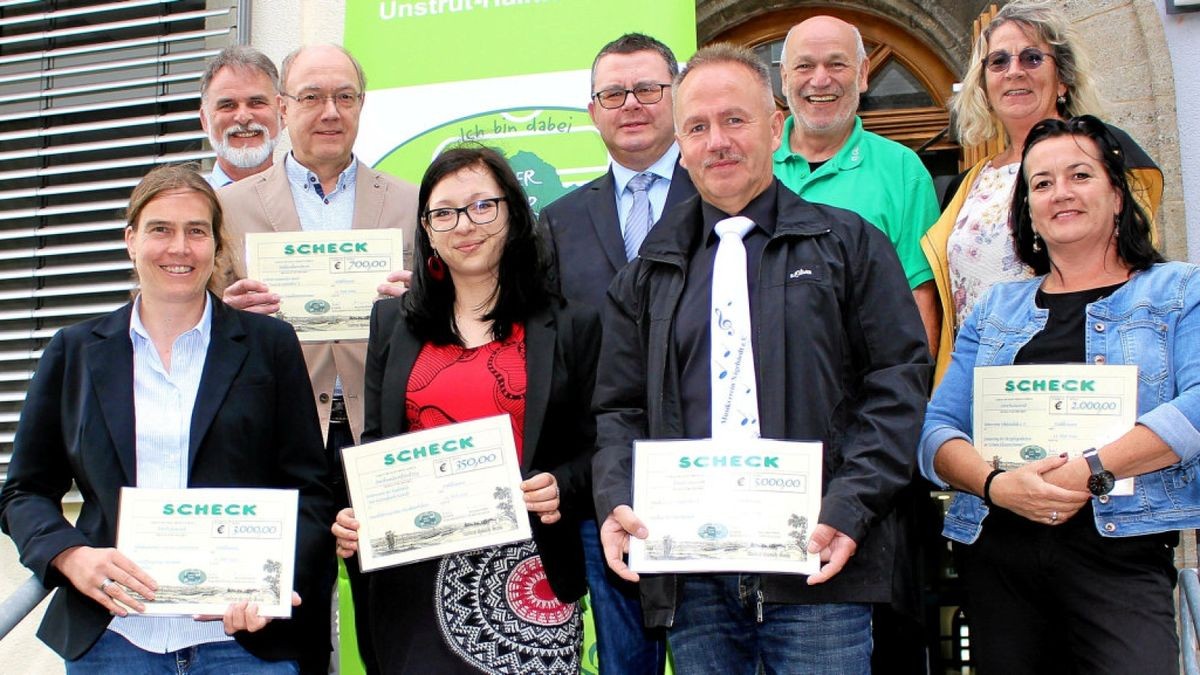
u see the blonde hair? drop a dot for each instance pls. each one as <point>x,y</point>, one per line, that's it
<point>974,118</point>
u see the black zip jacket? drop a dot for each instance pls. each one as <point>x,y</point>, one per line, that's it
<point>840,358</point>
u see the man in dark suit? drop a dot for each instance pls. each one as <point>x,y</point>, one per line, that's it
<point>595,231</point>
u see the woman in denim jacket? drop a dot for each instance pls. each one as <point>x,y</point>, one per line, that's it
<point>1065,577</point>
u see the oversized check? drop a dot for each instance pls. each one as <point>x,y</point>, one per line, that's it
<point>209,547</point>
<point>326,281</point>
<point>1029,412</point>
<point>726,505</point>
<point>434,492</point>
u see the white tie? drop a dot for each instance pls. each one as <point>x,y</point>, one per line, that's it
<point>734,389</point>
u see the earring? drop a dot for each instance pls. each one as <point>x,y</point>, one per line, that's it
<point>437,268</point>
<point>1037,243</point>
<point>1062,101</point>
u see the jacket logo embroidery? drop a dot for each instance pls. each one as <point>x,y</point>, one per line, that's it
<point>802,272</point>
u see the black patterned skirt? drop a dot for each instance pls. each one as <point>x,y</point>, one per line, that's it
<point>490,610</point>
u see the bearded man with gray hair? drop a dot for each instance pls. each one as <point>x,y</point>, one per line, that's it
<point>239,111</point>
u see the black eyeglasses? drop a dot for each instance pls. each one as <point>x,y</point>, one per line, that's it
<point>1030,58</point>
<point>647,93</point>
<point>480,212</point>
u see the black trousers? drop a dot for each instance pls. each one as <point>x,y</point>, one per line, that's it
<point>1060,600</point>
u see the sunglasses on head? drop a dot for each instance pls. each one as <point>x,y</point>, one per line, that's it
<point>1030,58</point>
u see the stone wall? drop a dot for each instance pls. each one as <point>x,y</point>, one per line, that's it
<point>1183,42</point>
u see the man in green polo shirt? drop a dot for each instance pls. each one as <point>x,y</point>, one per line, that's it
<point>826,155</point>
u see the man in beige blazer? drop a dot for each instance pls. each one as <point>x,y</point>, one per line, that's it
<point>322,137</point>
<point>320,185</point>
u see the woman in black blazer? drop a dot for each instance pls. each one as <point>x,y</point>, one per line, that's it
<point>481,334</point>
<point>94,414</point>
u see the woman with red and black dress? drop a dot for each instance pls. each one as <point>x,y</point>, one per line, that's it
<point>481,333</point>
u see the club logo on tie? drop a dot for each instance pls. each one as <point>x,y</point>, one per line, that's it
<point>734,391</point>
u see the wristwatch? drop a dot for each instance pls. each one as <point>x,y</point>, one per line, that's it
<point>1101,481</point>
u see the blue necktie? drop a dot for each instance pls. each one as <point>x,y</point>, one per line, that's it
<point>637,221</point>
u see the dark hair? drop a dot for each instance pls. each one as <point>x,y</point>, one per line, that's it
<point>631,43</point>
<point>170,177</point>
<point>523,286</point>
<point>1133,227</point>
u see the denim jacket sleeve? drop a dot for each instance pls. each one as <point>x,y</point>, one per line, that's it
<point>949,414</point>
<point>1177,420</point>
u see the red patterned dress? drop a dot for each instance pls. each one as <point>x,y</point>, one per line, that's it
<point>494,609</point>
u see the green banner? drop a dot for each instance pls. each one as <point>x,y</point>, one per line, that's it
<point>405,43</point>
<point>511,74</point>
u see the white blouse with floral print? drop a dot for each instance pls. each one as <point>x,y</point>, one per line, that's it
<point>980,248</point>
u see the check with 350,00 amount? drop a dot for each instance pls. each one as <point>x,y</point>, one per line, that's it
<point>435,492</point>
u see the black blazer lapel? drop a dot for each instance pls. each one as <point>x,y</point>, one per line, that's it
<point>540,334</point>
<point>602,207</point>
<point>224,359</point>
<point>110,365</point>
<point>403,350</point>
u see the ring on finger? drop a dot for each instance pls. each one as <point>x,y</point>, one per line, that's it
<point>105,584</point>
<point>1054,516</point>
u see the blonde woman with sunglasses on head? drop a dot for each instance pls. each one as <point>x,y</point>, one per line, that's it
<point>1027,65</point>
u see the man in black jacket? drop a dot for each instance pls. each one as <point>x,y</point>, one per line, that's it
<point>594,231</point>
<point>839,357</point>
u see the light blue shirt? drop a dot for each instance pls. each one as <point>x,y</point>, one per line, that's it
<point>218,178</point>
<point>163,403</point>
<point>664,168</point>
<point>319,211</point>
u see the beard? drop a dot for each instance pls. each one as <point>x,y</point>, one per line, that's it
<point>848,97</point>
<point>246,157</point>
